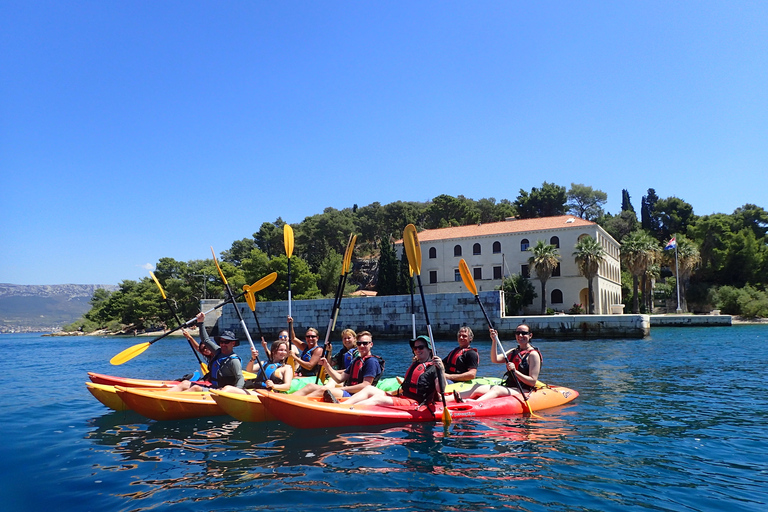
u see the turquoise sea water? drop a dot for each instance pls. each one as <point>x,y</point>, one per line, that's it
<point>676,422</point>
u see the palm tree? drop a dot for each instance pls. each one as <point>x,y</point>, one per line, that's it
<point>688,258</point>
<point>639,250</point>
<point>649,279</point>
<point>544,261</point>
<point>589,254</point>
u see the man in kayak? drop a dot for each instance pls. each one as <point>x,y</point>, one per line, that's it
<point>225,367</point>
<point>364,370</point>
<point>523,367</point>
<point>461,363</point>
<point>420,385</point>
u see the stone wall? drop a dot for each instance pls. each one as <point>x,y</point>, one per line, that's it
<point>390,317</point>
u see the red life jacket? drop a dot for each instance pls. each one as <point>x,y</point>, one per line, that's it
<point>356,369</point>
<point>453,358</point>
<point>410,385</point>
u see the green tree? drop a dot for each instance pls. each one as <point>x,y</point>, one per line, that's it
<point>491,211</point>
<point>626,203</point>
<point>619,226</point>
<point>647,218</point>
<point>673,215</point>
<point>240,249</point>
<point>589,254</point>
<point>688,258</point>
<point>447,211</point>
<point>547,201</point>
<point>386,283</point>
<point>586,202</point>
<point>270,239</point>
<point>544,261</point>
<point>639,250</point>
<point>518,293</point>
<point>330,271</point>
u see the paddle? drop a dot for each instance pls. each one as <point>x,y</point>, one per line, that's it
<point>413,306</point>
<point>469,282</point>
<point>288,241</point>
<point>413,251</point>
<point>345,263</point>
<point>237,311</point>
<point>203,366</point>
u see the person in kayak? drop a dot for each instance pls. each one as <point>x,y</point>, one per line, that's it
<point>523,367</point>
<point>364,370</point>
<point>420,385</point>
<point>461,363</point>
<point>225,367</point>
<point>309,352</point>
<point>278,374</point>
<point>348,352</point>
<point>283,336</point>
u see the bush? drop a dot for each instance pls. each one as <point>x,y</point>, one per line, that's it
<point>576,309</point>
<point>749,302</point>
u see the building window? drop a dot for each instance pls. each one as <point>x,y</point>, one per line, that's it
<point>432,276</point>
<point>525,272</point>
<point>432,253</point>
<point>496,247</point>
<point>556,297</point>
<point>456,275</point>
<point>497,272</point>
<point>555,241</point>
<point>477,272</point>
<point>556,271</point>
<point>457,250</point>
<point>524,244</point>
<point>476,249</point>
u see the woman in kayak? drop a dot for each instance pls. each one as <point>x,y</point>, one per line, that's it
<point>309,353</point>
<point>523,367</point>
<point>277,373</point>
<point>348,352</point>
<point>420,385</point>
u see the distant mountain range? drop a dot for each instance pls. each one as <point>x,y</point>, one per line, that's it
<point>44,308</point>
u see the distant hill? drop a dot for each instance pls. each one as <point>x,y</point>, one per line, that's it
<point>44,308</point>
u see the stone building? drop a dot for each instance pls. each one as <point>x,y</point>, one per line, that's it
<point>497,250</point>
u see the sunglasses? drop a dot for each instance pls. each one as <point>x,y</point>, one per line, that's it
<point>419,347</point>
<point>362,343</point>
<point>311,336</point>
<point>228,341</point>
<point>282,337</point>
<point>522,333</point>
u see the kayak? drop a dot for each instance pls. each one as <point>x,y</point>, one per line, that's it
<point>111,380</point>
<point>107,395</point>
<point>303,412</point>
<point>160,404</point>
<point>249,407</point>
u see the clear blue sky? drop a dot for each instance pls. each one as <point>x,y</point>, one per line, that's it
<point>132,131</point>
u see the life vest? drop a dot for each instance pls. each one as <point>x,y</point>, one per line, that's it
<point>356,369</point>
<point>306,356</point>
<point>219,361</point>
<point>410,386</point>
<point>269,373</point>
<point>453,358</point>
<point>520,360</point>
<point>345,357</point>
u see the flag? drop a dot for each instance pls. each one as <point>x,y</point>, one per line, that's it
<point>671,245</point>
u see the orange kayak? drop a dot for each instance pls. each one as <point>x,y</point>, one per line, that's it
<point>111,380</point>
<point>161,405</point>
<point>107,395</point>
<point>242,407</point>
<point>303,412</point>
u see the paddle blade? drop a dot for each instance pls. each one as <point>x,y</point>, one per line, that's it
<point>262,283</point>
<point>218,267</point>
<point>347,261</point>
<point>447,419</point>
<point>411,241</point>
<point>469,282</point>
<point>129,353</point>
<point>248,375</point>
<point>162,292</point>
<point>288,240</point>
<point>250,298</point>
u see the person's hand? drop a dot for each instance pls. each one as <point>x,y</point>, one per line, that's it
<point>200,317</point>
<point>494,334</point>
<point>438,362</point>
<point>510,366</point>
<point>323,362</point>
<point>254,354</point>
<point>269,385</point>
<point>290,319</point>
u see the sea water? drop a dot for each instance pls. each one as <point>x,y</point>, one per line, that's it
<point>677,421</point>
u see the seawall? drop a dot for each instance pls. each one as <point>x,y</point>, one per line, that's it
<point>390,317</point>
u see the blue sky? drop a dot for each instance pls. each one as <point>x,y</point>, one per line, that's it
<point>132,131</point>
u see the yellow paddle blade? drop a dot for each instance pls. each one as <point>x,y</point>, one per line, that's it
<point>162,292</point>
<point>129,353</point>
<point>203,368</point>
<point>218,267</point>
<point>288,239</point>
<point>348,254</point>
<point>447,419</point>
<point>249,375</point>
<point>261,283</point>
<point>250,298</point>
<point>323,375</point>
<point>411,241</point>
<point>469,282</point>
<point>410,269</point>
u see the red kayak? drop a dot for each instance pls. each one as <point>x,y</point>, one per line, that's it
<point>111,380</point>
<point>303,412</point>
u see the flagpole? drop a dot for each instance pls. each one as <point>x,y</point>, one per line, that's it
<point>677,279</point>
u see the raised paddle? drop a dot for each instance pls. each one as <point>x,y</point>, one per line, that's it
<point>288,241</point>
<point>237,311</point>
<point>413,251</point>
<point>469,282</point>
<point>345,263</point>
<point>203,366</point>
<point>413,305</point>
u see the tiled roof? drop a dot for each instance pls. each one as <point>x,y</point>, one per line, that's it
<point>503,228</point>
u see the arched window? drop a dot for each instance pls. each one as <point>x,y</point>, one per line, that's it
<point>496,247</point>
<point>457,250</point>
<point>476,249</point>
<point>555,241</point>
<point>524,244</point>
<point>556,297</point>
<point>556,270</point>
<point>432,252</point>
